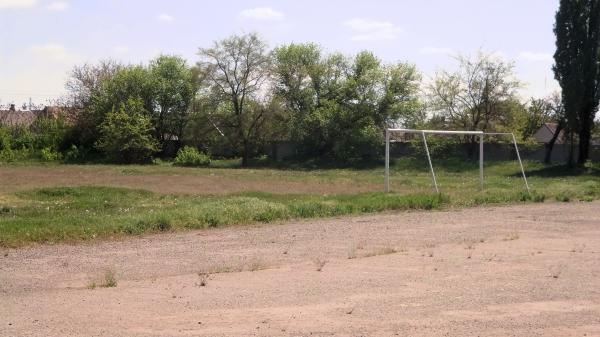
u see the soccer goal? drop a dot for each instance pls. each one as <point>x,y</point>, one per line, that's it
<point>424,133</point>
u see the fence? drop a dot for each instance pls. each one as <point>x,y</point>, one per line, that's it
<point>493,151</point>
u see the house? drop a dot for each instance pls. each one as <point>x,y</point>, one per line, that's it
<point>545,133</point>
<point>24,118</point>
<point>13,117</point>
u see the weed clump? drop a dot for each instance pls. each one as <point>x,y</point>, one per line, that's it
<point>109,280</point>
<point>190,156</point>
<point>564,196</point>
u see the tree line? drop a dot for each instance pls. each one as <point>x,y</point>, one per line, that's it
<point>241,96</point>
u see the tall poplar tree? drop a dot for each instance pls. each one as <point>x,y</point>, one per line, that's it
<point>577,66</point>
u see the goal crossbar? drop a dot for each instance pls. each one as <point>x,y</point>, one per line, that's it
<point>423,133</point>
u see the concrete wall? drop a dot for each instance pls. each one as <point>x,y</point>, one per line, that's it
<point>494,151</point>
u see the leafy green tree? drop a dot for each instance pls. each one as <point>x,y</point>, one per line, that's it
<point>166,88</point>
<point>339,106</point>
<point>174,90</point>
<point>126,133</point>
<point>129,83</point>
<point>577,66</point>
<point>236,71</point>
<point>298,68</point>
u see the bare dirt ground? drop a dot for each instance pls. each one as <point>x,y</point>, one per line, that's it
<point>177,180</point>
<point>526,270</point>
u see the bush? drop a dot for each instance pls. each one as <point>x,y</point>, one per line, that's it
<point>5,138</point>
<point>47,154</point>
<point>43,140</point>
<point>72,154</point>
<point>190,156</point>
<point>9,155</point>
<point>126,134</point>
<point>49,133</point>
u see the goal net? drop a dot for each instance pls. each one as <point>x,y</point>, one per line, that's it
<point>480,134</point>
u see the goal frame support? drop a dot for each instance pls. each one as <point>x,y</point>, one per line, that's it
<point>424,134</point>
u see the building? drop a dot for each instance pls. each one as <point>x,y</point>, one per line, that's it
<point>545,133</point>
<point>24,118</point>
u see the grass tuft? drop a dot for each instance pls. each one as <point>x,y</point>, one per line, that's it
<point>109,280</point>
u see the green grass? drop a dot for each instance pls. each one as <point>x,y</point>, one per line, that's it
<point>66,214</point>
<point>70,214</point>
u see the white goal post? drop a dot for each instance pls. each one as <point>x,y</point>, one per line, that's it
<point>423,134</point>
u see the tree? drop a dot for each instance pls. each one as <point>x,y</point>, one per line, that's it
<point>128,83</point>
<point>175,89</point>
<point>126,133</point>
<point>237,69</point>
<point>557,114</point>
<point>86,79</point>
<point>472,97</point>
<point>339,106</point>
<point>298,69</point>
<point>577,66</point>
<point>166,88</point>
<point>538,113</point>
<point>82,85</point>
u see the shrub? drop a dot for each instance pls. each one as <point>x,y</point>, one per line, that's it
<point>7,155</point>
<point>49,133</point>
<point>190,156</point>
<point>126,134</point>
<point>72,154</point>
<point>43,140</point>
<point>47,154</point>
<point>5,138</point>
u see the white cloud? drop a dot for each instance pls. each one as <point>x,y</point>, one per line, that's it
<point>436,51</point>
<point>54,52</point>
<point>262,13</point>
<point>371,30</point>
<point>58,6</point>
<point>165,18</point>
<point>17,4</point>
<point>536,57</point>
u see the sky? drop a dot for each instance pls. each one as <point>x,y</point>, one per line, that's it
<point>41,40</point>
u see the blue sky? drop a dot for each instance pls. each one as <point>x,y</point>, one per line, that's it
<point>40,40</point>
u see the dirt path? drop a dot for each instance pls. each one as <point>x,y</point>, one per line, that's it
<point>530,270</point>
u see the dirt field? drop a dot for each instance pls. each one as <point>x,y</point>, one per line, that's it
<point>530,270</point>
<point>177,180</point>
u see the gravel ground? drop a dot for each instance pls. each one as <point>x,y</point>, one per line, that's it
<point>524,270</point>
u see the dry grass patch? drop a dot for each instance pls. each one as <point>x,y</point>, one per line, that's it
<point>254,264</point>
<point>108,280</point>
<point>381,251</point>
<point>512,236</point>
<point>470,244</point>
